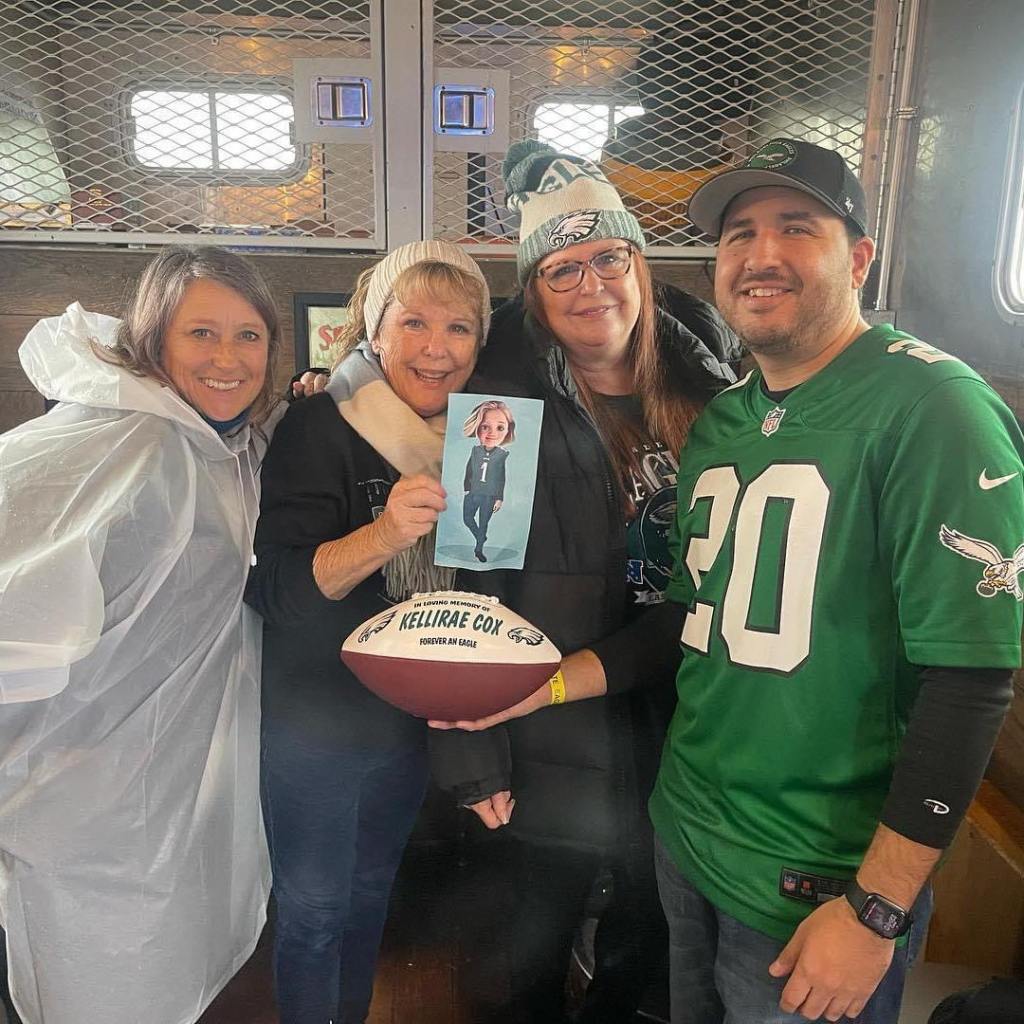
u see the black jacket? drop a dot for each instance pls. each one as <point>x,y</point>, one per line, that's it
<point>582,772</point>
<point>320,481</point>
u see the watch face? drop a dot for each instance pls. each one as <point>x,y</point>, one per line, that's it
<point>882,917</point>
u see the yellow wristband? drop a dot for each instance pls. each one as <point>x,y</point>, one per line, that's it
<point>557,684</point>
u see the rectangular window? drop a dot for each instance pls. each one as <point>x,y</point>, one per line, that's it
<point>220,131</point>
<point>580,128</point>
<point>33,188</point>
<point>1008,271</point>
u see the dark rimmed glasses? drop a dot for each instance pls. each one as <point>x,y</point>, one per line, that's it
<point>608,265</point>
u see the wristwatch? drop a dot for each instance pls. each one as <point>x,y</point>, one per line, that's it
<point>882,916</point>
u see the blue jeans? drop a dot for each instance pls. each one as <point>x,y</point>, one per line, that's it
<point>718,967</point>
<point>337,822</point>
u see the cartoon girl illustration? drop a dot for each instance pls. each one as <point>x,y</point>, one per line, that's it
<point>493,425</point>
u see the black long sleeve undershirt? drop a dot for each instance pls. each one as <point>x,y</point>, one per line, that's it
<point>645,652</point>
<point>952,729</point>
<point>949,739</point>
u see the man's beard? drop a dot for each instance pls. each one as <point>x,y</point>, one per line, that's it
<point>770,342</point>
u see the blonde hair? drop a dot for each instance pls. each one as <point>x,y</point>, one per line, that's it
<point>432,278</point>
<point>139,344</point>
<point>476,418</point>
<point>668,409</point>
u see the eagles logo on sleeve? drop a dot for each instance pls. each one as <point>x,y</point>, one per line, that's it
<point>999,573</point>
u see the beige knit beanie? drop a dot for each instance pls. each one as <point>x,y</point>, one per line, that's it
<point>387,272</point>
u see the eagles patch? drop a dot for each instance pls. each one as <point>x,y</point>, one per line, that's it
<point>999,573</point>
<point>376,491</point>
<point>777,153</point>
<point>574,228</point>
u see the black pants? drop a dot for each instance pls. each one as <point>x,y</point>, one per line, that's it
<point>552,886</point>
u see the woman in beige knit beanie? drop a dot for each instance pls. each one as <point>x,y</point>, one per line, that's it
<point>351,494</point>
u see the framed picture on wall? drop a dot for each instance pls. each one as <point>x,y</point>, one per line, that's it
<point>319,318</point>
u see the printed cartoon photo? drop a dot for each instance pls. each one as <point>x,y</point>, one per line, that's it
<point>493,426</point>
<point>489,472</point>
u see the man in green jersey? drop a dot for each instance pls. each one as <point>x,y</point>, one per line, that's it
<point>849,534</point>
<point>848,548</point>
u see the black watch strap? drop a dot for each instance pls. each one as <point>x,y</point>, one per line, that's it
<point>874,911</point>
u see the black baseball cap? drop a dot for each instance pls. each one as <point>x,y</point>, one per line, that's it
<point>791,163</point>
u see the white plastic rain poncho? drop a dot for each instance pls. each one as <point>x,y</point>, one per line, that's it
<point>133,866</point>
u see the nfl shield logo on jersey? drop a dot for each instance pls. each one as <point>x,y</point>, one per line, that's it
<point>772,421</point>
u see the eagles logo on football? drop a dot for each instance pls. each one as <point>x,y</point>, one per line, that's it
<point>376,626</point>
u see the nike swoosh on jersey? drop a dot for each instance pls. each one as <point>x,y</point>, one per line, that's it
<point>986,484</point>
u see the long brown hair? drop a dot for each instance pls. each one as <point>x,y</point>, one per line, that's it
<point>139,344</point>
<point>668,408</point>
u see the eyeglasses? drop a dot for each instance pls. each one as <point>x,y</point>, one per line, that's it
<point>608,265</point>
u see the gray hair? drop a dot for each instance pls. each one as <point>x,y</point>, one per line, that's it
<point>138,346</point>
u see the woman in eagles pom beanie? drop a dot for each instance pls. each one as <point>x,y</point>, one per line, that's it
<point>623,368</point>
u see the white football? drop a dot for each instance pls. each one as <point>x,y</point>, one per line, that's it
<point>450,655</point>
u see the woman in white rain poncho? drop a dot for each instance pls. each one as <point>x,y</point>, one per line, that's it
<point>133,867</point>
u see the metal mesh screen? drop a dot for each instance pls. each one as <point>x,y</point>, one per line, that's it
<point>161,118</point>
<point>663,93</point>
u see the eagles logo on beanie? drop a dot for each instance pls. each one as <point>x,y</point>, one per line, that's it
<point>562,200</point>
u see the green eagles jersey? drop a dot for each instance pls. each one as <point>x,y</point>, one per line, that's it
<point>869,522</point>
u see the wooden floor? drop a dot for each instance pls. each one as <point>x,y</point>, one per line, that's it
<point>441,960</point>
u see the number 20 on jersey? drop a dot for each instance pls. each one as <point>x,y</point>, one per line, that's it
<point>801,497</point>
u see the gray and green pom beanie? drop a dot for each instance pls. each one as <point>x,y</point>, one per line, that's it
<point>561,199</point>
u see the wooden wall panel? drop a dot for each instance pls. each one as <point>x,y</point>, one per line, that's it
<point>1006,769</point>
<point>1010,388</point>
<point>41,282</point>
<point>18,406</point>
<point>979,890</point>
<point>12,332</point>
